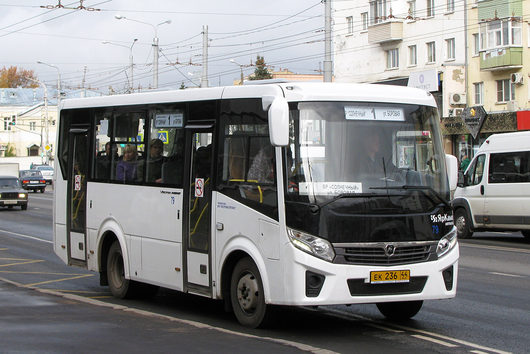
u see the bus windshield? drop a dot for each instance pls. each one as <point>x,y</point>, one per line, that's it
<point>348,161</point>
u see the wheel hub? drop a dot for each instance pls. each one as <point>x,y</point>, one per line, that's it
<point>247,292</point>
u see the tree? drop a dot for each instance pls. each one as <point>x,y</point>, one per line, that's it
<point>261,72</point>
<point>13,77</point>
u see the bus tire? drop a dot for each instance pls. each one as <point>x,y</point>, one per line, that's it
<point>526,234</point>
<point>119,286</point>
<point>246,294</point>
<point>399,311</point>
<point>462,223</point>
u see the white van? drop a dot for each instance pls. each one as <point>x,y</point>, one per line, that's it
<point>494,192</point>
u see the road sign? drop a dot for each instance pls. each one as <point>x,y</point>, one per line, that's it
<point>474,118</point>
<point>48,147</point>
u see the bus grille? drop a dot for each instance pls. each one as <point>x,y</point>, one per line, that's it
<point>377,255</point>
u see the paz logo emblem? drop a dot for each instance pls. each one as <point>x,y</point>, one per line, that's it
<point>390,249</point>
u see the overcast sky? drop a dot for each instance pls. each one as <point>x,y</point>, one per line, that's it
<point>288,33</point>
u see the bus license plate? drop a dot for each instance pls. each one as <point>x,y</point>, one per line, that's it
<point>390,276</point>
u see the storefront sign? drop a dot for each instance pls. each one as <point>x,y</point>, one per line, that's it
<point>474,118</point>
<point>426,80</point>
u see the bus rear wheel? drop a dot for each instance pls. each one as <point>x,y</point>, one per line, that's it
<point>246,294</point>
<point>119,286</point>
<point>399,311</point>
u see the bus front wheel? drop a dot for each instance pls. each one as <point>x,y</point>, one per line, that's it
<point>246,294</point>
<point>399,311</point>
<point>119,286</point>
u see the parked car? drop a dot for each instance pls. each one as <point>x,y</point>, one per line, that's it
<point>494,192</point>
<point>12,194</point>
<point>47,172</point>
<point>32,180</point>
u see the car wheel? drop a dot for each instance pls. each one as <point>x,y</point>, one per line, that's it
<point>42,190</point>
<point>462,223</point>
<point>526,234</point>
<point>119,286</point>
<point>24,207</point>
<point>246,294</point>
<point>399,311</point>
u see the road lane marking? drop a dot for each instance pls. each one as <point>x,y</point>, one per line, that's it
<point>4,249</point>
<point>79,298</point>
<point>26,236</point>
<point>45,273</point>
<point>495,248</point>
<point>59,280</point>
<point>410,329</point>
<point>19,263</point>
<point>437,341</point>
<point>508,275</point>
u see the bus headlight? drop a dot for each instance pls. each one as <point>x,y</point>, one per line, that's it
<point>311,244</point>
<point>446,243</point>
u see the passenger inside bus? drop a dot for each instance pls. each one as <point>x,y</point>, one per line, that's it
<point>172,167</point>
<point>155,161</point>
<point>126,170</point>
<point>104,161</point>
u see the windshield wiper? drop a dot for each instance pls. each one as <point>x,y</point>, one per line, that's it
<point>418,188</point>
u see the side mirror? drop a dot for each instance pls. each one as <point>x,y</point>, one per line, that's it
<point>461,180</point>
<point>452,170</point>
<point>279,122</point>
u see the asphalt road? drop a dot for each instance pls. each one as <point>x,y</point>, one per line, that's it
<point>49,307</point>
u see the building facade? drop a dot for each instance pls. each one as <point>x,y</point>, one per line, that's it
<point>465,52</point>
<point>28,121</point>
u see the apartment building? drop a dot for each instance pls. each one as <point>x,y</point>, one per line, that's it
<point>450,48</point>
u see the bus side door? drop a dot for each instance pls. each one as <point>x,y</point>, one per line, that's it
<point>77,187</point>
<point>198,240</point>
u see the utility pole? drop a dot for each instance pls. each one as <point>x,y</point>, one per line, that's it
<point>327,57</point>
<point>204,77</point>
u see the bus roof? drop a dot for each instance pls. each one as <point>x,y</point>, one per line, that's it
<point>293,92</point>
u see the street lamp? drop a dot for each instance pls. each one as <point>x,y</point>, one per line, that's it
<point>58,80</point>
<point>155,44</point>
<point>131,84</point>
<point>241,66</point>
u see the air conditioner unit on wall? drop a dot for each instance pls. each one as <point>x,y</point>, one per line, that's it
<point>456,99</point>
<point>516,78</point>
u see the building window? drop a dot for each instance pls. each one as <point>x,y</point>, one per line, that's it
<point>377,11</point>
<point>450,6</point>
<point>32,126</point>
<point>505,91</point>
<point>431,52</point>
<point>413,55</point>
<point>500,33</point>
<point>392,58</point>
<point>450,46</point>
<point>412,9</point>
<point>349,24</point>
<point>364,20</point>
<point>479,93</point>
<point>430,8</point>
<point>476,44</point>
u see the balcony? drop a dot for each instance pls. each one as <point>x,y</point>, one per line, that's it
<point>384,32</point>
<point>501,59</point>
